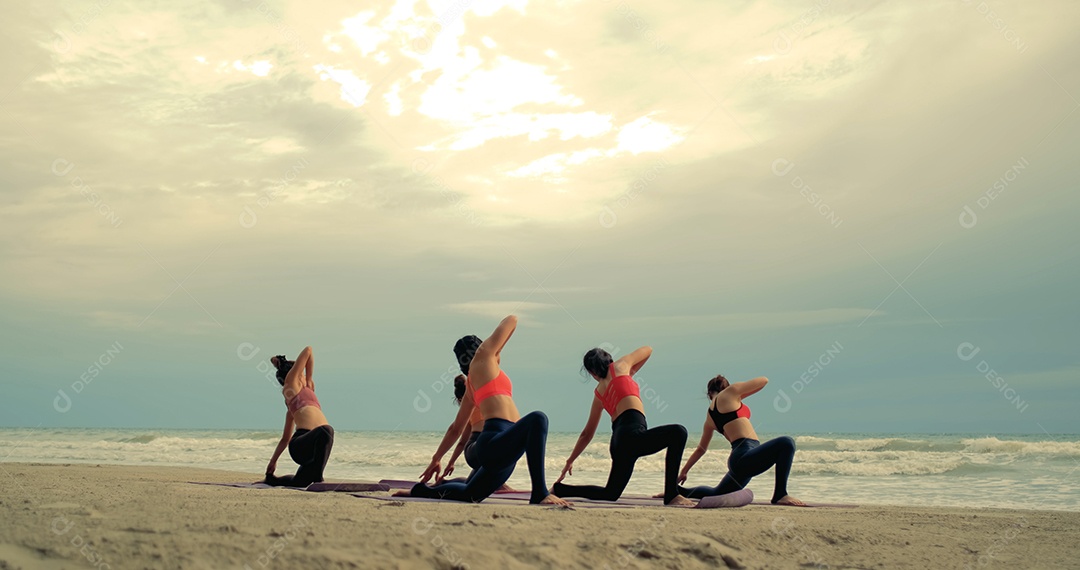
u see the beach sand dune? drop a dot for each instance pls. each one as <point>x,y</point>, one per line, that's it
<point>88,516</point>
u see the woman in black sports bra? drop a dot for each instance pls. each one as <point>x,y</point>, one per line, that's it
<point>749,457</point>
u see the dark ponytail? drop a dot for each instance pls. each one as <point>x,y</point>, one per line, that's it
<point>717,385</point>
<point>465,350</point>
<point>596,362</point>
<point>283,365</point>
<point>459,388</point>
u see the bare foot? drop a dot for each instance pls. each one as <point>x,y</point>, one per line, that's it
<point>506,489</point>
<point>658,496</point>
<point>553,500</point>
<point>402,493</point>
<point>790,501</point>
<point>680,501</point>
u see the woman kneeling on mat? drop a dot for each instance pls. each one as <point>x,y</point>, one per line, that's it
<point>310,445</point>
<point>618,394</point>
<point>506,435</point>
<point>749,458</point>
<point>467,443</point>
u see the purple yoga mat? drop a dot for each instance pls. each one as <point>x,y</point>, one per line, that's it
<point>314,487</point>
<point>346,487</point>
<point>497,501</point>
<point>624,501</point>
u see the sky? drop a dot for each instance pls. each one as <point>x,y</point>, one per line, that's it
<point>871,204</point>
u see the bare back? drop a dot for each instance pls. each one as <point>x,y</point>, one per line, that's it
<point>728,401</point>
<point>483,370</point>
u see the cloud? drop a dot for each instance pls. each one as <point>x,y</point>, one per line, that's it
<point>499,309</point>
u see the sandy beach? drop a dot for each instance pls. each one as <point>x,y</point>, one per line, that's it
<point>79,516</point>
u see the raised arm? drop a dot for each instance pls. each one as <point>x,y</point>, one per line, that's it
<point>309,368</point>
<point>585,438</point>
<point>302,363</point>
<point>494,344</point>
<point>748,388</point>
<point>461,421</point>
<point>702,448</point>
<point>633,362</point>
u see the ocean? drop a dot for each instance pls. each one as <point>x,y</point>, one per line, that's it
<point>966,470</point>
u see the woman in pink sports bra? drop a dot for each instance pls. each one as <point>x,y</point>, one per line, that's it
<point>467,444</point>
<point>313,439</point>
<point>618,394</point>
<point>749,457</point>
<point>507,435</point>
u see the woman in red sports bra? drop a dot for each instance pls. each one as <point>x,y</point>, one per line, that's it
<point>618,394</point>
<point>467,443</point>
<point>749,458</point>
<point>310,445</point>
<point>506,435</point>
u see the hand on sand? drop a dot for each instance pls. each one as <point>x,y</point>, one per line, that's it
<point>679,501</point>
<point>553,500</point>
<point>790,501</point>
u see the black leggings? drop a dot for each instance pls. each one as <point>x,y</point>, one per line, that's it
<point>470,451</point>
<point>497,451</point>
<point>631,439</point>
<point>311,449</point>
<point>748,459</point>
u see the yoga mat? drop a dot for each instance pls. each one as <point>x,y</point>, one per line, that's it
<point>399,484</point>
<point>346,487</point>
<point>243,485</point>
<point>523,496</point>
<point>314,487</point>
<point>496,502</point>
